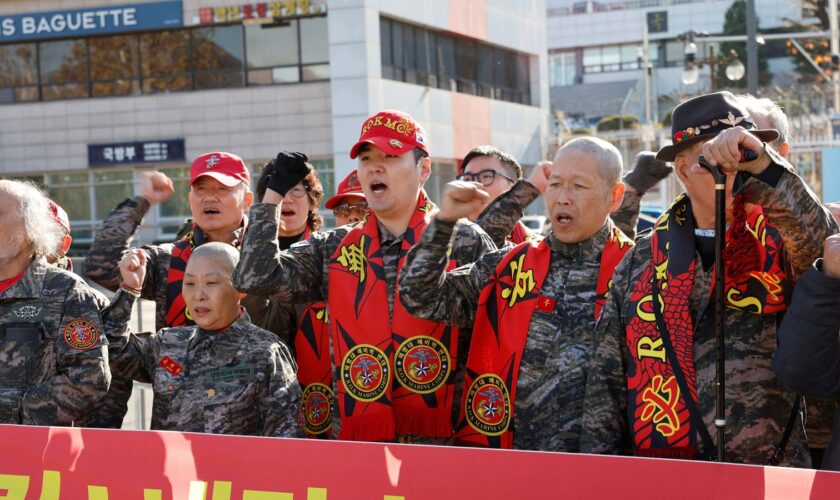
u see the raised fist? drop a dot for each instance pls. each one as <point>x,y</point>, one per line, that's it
<point>539,176</point>
<point>289,169</point>
<point>461,199</point>
<point>155,187</point>
<point>133,268</point>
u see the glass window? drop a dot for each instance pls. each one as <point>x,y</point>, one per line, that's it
<point>465,65</point>
<point>64,69</point>
<point>314,40</point>
<point>592,59</point>
<point>410,56</point>
<point>18,72</point>
<point>316,72</point>
<point>217,56</point>
<point>114,65</point>
<point>523,79</point>
<point>165,63</point>
<point>71,192</point>
<point>674,53</point>
<point>484,70</point>
<point>177,206</point>
<point>112,187</point>
<point>385,42</point>
<point>446,62</point>
<point>271,45</point>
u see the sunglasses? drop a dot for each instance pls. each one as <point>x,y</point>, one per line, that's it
<point>345,209</point>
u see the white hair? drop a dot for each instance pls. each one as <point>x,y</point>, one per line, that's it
<point>40,228</point>
<point>766,108</point>
<point>607,156</point>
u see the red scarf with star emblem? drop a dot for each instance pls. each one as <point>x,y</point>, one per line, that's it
<point>395,377</point>
<point>505,308</point>
<point>657,408</point>
<point>312,349</point>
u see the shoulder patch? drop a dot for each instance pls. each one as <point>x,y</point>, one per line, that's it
<point>299,244</point>
<point>81,334</point>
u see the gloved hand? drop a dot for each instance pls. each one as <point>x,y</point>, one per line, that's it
<point>289,169</point>
<point>647,172</point>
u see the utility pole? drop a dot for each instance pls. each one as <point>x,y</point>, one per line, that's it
<point>835,50</point>
<point>646,70</point>
<point>752,48</point>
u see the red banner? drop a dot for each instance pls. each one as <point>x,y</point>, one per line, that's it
<point>59,463</point>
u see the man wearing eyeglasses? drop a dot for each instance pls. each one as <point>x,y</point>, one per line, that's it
<point>348,204</point>
<point>497,172</point>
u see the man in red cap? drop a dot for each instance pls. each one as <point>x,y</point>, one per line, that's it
<point>219,197</point>
<point>396,372</point>
<point>348,204</point>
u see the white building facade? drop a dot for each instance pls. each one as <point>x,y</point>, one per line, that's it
<point>94,92</point>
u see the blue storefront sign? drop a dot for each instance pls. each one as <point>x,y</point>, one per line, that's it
<point>129,153</point>
<point>91,21</point>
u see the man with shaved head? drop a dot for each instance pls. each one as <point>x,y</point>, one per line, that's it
<point>222,375</point>
<point>538,301</point>
<point>54,357</point>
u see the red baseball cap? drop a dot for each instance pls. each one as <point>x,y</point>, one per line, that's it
<point>391,131</point>
<point>226,168</point>
<point>60,216</point>
<point>349,188</point>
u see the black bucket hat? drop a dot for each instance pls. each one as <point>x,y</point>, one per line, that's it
<point>706,116</point>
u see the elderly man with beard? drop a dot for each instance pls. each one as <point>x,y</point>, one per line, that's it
<point>55,355</point>
<point>355,268</point>
<point>533,307</point>
<point>651,388</point>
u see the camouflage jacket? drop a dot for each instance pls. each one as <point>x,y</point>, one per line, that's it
<point>300,274</point>
<point>552,374</point>
<point>237,381</point>
<point>54,357</point>
<point>502,214</point>
<point>113,238</point>
<point>757,409</point>
<point>109,412</point>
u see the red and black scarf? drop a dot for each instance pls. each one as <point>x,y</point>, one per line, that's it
<point>503,318</point>
<point>176,309</point>
<point>658,409</point>
<point>312,349</point>
<point>395,378</point>
<point>520,234</point>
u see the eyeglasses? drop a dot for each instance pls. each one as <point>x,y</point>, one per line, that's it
<point>345,209</point>
<point>484,177</point>
<point>298,191</point>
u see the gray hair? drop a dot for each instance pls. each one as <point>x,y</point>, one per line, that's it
<point>608,157</point>
<point>764,108</point>
<point>222,253</point>
<point>40,228</point>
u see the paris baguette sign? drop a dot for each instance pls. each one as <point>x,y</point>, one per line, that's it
<point>91,21</point>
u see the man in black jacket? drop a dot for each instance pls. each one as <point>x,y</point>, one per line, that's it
<point>808,358</point>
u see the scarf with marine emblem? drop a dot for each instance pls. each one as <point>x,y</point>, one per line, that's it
<point>505,308</point>
<point>659,411</point>
<point>312,349</point>
<point>395,377</point>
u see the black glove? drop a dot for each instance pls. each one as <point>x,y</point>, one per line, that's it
<point>647,172</point>
<point>289,169</point>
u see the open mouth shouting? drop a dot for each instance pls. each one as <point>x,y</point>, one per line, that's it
<point>211,211</point>
<point>378,188</point>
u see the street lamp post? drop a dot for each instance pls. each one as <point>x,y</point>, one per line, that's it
<point>691,70</point>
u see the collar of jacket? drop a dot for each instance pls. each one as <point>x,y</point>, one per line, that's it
<point>586,249</point>
<point>31,283</point>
